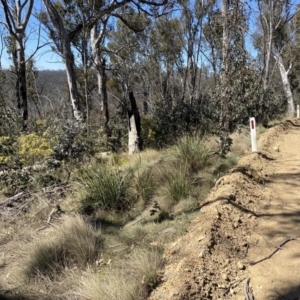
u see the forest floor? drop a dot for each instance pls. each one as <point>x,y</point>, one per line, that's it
<point>245,243</point>
<point>241,242</point>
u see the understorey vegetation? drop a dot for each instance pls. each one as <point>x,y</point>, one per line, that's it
<point>106,161</point>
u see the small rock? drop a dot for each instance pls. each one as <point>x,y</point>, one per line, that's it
<point>235,225</point>
<point>241,266</point>
<point>225,276</point>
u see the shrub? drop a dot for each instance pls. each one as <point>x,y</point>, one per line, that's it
<point>106,188</point>
<point>6,149</point>
<point>73,243</point>
<point>193,152</point>
<point>33,148</point>
<point>148,132</point>
<point>72,145</point>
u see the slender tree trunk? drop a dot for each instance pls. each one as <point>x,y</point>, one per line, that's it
<point>102,91</point>
<point>267,26</point>
<point>21,73</point>
<point>286,86</point>
<point>63,44</point>
<point>100,64</point>
<point>17,18</point>
<point>224,113</point>
<point>70,71</point>
<point>134,134</point>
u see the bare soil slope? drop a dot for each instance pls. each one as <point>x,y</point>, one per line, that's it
<point>252,214</point>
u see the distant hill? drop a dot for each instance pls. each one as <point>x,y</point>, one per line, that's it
<point>50,83</point>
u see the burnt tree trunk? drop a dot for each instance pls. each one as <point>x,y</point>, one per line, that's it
<point>134,132</point>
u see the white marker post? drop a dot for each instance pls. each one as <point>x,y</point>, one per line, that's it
<point>253,134</point>
<point>298,111</point>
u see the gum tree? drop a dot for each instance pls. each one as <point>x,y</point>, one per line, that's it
<point>63,35</point>
<point>16,20</point>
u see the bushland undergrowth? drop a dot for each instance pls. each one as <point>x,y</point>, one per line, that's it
<point>92,226</point>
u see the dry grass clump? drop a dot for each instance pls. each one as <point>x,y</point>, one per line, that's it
<point>178,184</point>
<point>105,188</point>
<point>193,152</point>
<point>129,279</point>
<point>73,243</point>
<point>145,183</point>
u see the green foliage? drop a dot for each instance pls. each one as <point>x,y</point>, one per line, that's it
<point>72,145</point>
<point>13,178</point>
<point>225,144</point>
<point>33,148</point>
<point>192,152</point>
<point>6,150</point>
<point>15,181</point>
<point>173,121</point>
<point>148,132</point>
<point>106,188</point>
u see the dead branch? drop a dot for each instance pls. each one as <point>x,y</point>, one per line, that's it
<point>233,284</point>
<point>58,210</point>
<point>248,291</point>
<point>276,249</point>
<point>50,215</point>
<point>16,197</point>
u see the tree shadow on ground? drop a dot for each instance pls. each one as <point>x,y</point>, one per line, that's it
<point>292,294</point>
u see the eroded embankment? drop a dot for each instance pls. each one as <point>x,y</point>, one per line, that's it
<point>212,260</point>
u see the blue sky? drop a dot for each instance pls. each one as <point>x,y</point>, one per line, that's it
<point>46,59</point>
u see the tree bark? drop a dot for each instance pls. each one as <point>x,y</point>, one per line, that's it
<point>286,86</point>
<point>63,43</point>
<point>134,134</point>
<point>224,113</point>
<point>16,23</point>
<point>21,82</point>
<point>100,65</point>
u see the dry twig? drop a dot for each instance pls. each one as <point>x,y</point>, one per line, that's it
<point>248,291</point>
<point>276,249</point>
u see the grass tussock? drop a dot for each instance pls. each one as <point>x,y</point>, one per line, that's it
<point>122,191</point>
<point>223,165</point>
<point>145,184</point>
<point>193,152</point>
<point>129,279</point>
<point>178,184</point>
<point>105,188</point>
<point>73,243</point>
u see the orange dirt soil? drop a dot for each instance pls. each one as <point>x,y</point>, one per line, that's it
<point>248,214</point>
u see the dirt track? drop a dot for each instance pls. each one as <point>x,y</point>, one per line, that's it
<point>249,213</point>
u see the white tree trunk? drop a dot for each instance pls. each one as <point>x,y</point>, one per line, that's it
<point>286,86</point>
<point>17,18</point>
<point>134,132</point>
<point>64,47</point>
<point>97,36</point>
<point>133,138</point>
<point>74,96</point>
